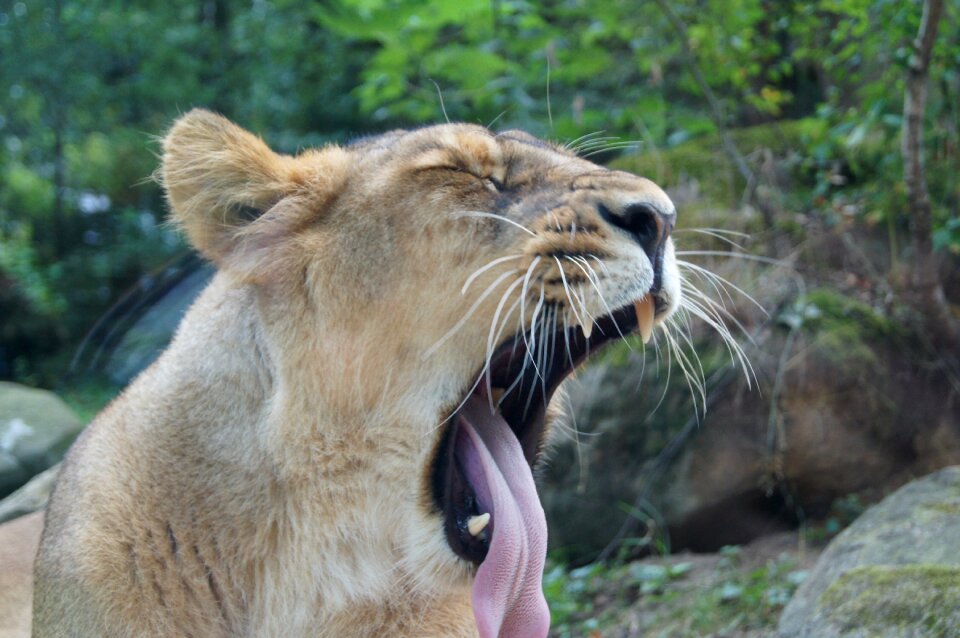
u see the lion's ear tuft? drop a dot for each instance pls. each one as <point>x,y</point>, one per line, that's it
<point>218,178</point>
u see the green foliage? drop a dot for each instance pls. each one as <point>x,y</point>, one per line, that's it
<point>671,598</point>
<point>702,160</point>
<point>948,236</point>
<point>617,66</point>
<point>844,330</point>
<point>18,262</point>
<point>88,397</point>
<point>87,83</point>
<point>817,85</point>
<point>823,310</point>
<point>843,511</point>
<point>569,594</point>
<point>572,593</point>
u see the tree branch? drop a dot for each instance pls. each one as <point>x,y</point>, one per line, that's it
<point>926,288</point>
<point>717,114</point>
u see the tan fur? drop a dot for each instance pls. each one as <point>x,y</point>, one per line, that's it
<point>268,475</point>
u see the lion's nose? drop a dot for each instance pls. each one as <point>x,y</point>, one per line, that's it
<point>647,223</point>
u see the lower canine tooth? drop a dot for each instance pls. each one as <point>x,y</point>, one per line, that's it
<point>587,328</point>
<point>476,524</point>
<point>645,311</point>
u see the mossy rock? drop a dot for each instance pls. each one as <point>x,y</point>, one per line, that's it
<point>894,573</point>
<point>835,311</point>
<point>884,600</point>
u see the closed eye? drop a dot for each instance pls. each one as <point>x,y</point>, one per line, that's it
<point>497,184</point>
<point>490,181</point>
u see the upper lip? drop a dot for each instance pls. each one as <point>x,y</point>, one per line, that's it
<point>527,391</point>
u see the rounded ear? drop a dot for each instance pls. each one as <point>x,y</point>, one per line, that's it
<point>219,178</point>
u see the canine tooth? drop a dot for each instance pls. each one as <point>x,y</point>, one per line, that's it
<point>645,310</point>
<point>587,328</point>
<point>476,524</point>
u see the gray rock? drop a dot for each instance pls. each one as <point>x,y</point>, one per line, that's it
<point>894,573</point>
<point>31,497</point>
<point>36,427</point>
<point>12,473</point>
<point>841,425</point>
<point>596,462</point>
<point>142,342</point>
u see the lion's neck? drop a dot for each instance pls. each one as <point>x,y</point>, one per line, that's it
<point>340,492</point>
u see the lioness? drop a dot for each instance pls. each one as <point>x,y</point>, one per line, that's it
<point>339,440</point>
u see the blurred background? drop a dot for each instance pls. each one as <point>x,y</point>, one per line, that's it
<point>776,125</point>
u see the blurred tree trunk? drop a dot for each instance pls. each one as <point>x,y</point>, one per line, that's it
<point>218,56</point>
<point>719,119</point>
<point>925,287</point>
<point>59,124</point>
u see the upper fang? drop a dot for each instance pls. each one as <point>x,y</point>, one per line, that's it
<point>587,328</point>
<point>645,309</point>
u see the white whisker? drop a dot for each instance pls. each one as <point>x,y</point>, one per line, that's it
<point>571,143</point>
<point>718,231</point>
<point>532,341</point>
<point>566,341</point>
<point>704,275</point>
<point>479,271</point>
<point>457,326</point>
<point>575,144</point>
<point>477,213</point>
<point>603,265</point>
<point>596,143</point>
<point>734,348</point>
<point>566,290</point>
<point>726,253</point>
<point>553,336</point>
<point>716,310</point>
<point>535,344</point>
<point>685,367</point>
<point>492,339</point>
<point>443,106</point>
<point>685,336</point>
<point>707,274</point>
<point>666,383</point>
<point>711,233</point>
<point>612,147</point>
<point>523,300</point>
<point>594,281</point>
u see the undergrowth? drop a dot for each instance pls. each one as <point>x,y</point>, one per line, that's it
<point>671,597</point>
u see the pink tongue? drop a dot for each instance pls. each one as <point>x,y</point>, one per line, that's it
<point>508,597</point>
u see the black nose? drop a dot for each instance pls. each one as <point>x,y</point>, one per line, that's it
<point>648,226</point>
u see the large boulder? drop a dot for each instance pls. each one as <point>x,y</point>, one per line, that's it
<point>31,497</point>
<point>36,428</point>
<point>894,573</point>
<point>12,473</point>
<point>837,410</point>
<point>602,459</point>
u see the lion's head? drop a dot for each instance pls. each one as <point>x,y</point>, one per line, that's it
<point>424,292</point>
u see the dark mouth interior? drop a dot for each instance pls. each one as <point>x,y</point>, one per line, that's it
<point>527,391</point>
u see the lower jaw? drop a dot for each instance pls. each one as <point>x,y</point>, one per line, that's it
<point>523,407</point>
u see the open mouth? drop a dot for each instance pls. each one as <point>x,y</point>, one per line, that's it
<point>482,478</point>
